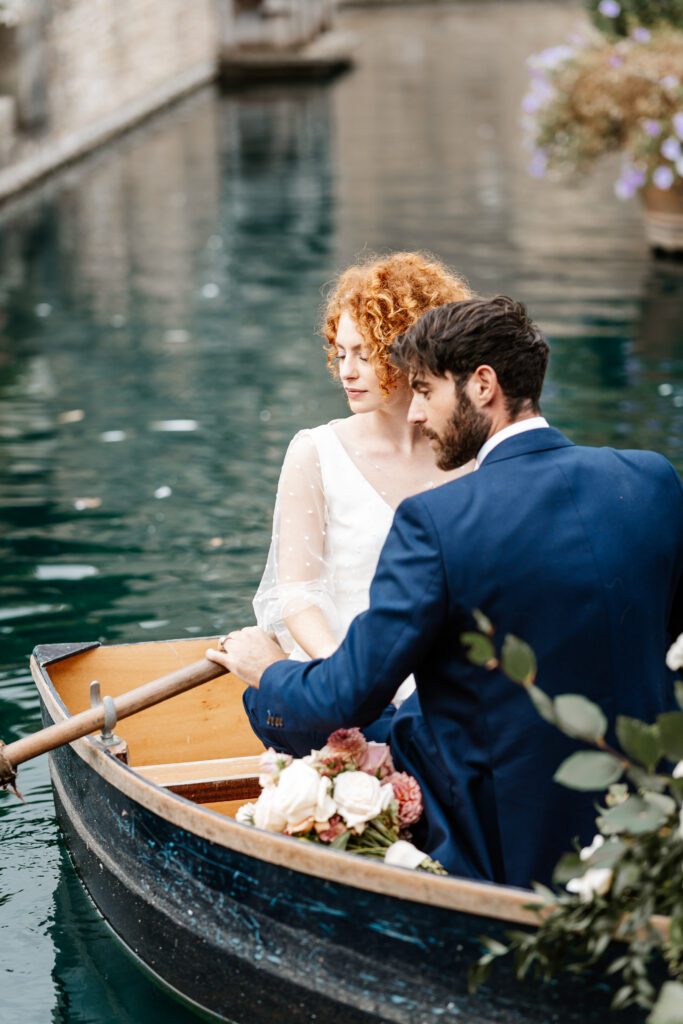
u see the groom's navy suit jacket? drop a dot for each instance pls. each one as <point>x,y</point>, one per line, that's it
<point>578,551</point>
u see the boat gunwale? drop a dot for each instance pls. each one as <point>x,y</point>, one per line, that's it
<point>482,899</point>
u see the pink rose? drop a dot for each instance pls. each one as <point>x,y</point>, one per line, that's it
<point>377,760</point>
<point>409,796</point>
<point>350,742</point>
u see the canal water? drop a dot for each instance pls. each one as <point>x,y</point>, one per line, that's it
<point>158,305</point>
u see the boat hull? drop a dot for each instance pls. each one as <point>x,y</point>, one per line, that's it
<point>248,941</point>
<point>252,927</point>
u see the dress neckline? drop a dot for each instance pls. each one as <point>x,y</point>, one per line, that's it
<point>363,477</point>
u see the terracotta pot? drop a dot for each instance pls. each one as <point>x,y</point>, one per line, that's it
<point>663,211</point>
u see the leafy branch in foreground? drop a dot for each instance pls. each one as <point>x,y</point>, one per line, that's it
<point>622,901</point>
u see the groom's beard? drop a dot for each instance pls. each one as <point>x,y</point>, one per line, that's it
<point>463,437</point>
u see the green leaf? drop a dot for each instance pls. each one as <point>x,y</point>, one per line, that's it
<point>678,690</point>
<point>622,998</point>
<point>341,842</point>
<point>493,947</point>
<point>569,866</point>
<point>478,973</point>
<point>588,770</point>
<point>543,704</point>
<point>671,732</point>
<point>579,717</point>
<point>661,801</point>
<point>482,622</point>
<point>480,650</point>
<point>635,816</point>
<point>643,780</point>
<point>518,660</point>
<point>627,877</point>
<point>676,932</point>
<point>546,894</point>
<point>669,1007</point>
<point>639,741</point>
<point>607,855</point>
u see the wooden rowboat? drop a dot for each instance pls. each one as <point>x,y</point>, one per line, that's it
<point>248,926</point>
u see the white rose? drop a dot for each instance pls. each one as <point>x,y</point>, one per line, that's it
<point>302,796</point>
<point>272,763</point>
<point>404,855</point>
<point>245,814</point>
<point>674,656</point>
<point>678,771</point>
<point>588,851</point>
<point>595,882</point>
<point>360,797</point>
<point>266,814</point>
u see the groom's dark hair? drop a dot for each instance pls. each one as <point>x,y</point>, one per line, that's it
<point>461,336</point>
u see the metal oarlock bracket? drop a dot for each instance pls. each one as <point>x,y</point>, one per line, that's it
<point>107,740</point>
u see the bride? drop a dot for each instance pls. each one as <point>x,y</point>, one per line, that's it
<point>341,482</point>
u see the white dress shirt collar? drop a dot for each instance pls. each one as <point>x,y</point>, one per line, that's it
<point>510,431</point>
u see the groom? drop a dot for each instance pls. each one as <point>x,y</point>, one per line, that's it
<point>578,551</point>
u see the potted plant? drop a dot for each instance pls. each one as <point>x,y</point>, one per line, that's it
<point>617,88</point>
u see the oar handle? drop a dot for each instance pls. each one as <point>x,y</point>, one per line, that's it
<point>127,704</point>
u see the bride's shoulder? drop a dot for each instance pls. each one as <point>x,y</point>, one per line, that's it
<point>310,438</point>
<point>303,450</point>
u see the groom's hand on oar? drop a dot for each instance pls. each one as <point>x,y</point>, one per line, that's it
<point>247,653</point>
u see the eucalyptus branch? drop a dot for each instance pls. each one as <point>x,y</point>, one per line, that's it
<point>633,869</point>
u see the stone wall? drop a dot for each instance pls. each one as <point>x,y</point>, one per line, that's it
<point>78,71</point>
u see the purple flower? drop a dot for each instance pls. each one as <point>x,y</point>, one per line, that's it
<point>531,103</point>
<point>551,57</point>
<point>616,61</point>
<point>678,124</point>
<point>663,178</point>
<point>670,82</point>
<point>609,8</point>
<point>652,127</point>
<point>538,163</point>
<point>671,149</point>
<point>641,34</point>
<point>631,179</point>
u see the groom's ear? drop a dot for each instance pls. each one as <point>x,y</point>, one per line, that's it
<point>483,387</point>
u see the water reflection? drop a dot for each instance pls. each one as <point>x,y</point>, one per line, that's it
<point>157,351</point>
<point>93,978</point>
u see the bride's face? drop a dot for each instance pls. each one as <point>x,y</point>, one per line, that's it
<point>356,371</point>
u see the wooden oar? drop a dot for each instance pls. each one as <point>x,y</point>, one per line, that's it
<point>146,696</point>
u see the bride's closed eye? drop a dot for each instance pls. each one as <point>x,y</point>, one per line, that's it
<point>340,356</point>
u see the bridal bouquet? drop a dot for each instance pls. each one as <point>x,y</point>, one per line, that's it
<point>347,795</point>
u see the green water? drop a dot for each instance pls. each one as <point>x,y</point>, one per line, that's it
<point>157,350</point>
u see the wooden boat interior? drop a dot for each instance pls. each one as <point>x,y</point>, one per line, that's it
<point>198,744</point>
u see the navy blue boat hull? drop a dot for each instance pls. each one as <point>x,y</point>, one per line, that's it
<point>252,942</point>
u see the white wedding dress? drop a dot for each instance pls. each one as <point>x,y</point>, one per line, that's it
<point>336,524</point>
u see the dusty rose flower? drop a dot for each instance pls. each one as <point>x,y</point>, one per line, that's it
<point>409,796</point>
<point>331,830</point>
<point>350,742</point>
<point>377,760</point>
<point>344,751</point>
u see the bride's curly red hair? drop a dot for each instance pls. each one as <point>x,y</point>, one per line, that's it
<point>384,296</point>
